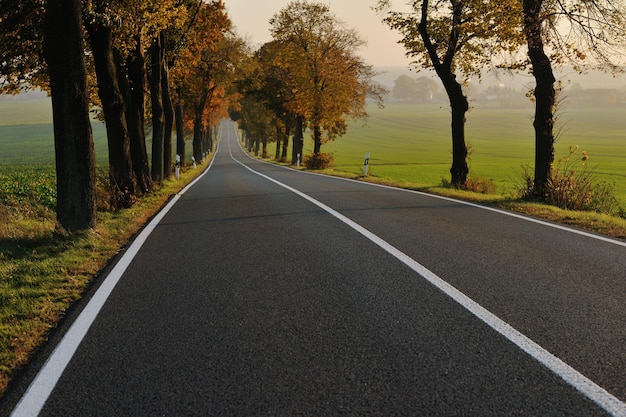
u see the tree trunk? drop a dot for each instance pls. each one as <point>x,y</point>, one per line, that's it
<point>207,144</point>
<point>458,102</point>
<point>248,141</point>
<point>198,126</point>
<point>459,107</point>
<point>121,175</point>
<point>317,139</point>
<point>73,140</point>
<point>180,133</point>
<point>298,140</point>
<point>132,81</point>
<point>168,113</point>
<point>214,134</point>
<point>279,139</point>
<point>283,157</point>
<point>545,96</point>
<point>158,114</point>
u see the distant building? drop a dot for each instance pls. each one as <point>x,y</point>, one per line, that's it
<point>594,97</point>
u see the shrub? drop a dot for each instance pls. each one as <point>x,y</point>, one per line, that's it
<point>480,185</point>
<point>526,187</point>
<point>319,161</point>
<point>474,184</point>
<point>572,186</point>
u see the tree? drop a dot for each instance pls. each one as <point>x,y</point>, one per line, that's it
<point>422,89</point>
<point>330,83</point>
<point>214,72</point>
<point>161,19</point>
<point>573,31</point>
<point>270,84</point>
<point>404,88</point>
<point>123,183</point>
<point>450,36</point>
<point>74,151</point>
<point>427,89</point>
<point>132,25</point>
<point>205,62</point>
<point>132,80</point>
<point>157,63</point>
<point>257,120</point>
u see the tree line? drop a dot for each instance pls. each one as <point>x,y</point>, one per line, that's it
<point>163,64</point>
<point>460,38</point>
<point>171,66</point>
<point>307,76</point>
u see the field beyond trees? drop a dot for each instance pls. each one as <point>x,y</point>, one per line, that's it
<point>407,142</point>
<point>411,143</point>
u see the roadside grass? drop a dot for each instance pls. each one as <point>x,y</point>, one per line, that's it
<point>43,271</point>
<point>600,223</point>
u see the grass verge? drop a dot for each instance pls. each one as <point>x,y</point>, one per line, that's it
<point>603,224</point>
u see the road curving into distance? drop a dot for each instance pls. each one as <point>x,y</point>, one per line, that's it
<point>264,291</point>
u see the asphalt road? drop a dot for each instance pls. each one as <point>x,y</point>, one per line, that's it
<point>263,291</point>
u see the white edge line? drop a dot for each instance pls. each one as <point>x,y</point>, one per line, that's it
<point>41,387</point>
<point>584,385</point>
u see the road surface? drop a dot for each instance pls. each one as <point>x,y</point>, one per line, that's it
<point>263,291</point>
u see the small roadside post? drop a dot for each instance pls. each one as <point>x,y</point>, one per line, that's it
<point>298,162</point>
<point>177,167</point>
<point>366,164</point>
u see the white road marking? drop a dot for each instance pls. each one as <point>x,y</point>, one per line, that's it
<point>584,385</point>
<point>41,387</point>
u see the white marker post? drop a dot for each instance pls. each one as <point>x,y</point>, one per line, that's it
<point>298,162</point>
<point>177,167</point>
<point>366,163</point>
<point>193,159</point>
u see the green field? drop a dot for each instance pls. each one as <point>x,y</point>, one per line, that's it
<point>26,134</point>
<point>412,143</point>
<point>409,143</point>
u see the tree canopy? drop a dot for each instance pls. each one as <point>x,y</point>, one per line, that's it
<point>22,64</point>
<point>328,80</point>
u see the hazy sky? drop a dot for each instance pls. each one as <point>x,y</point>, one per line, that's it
<point>251,18</point>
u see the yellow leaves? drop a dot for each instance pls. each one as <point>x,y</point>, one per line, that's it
<point>465,35</point>
<point>585,156</point>
<point>571,151</point>
<point>130,18</point>
<point>312,56</point>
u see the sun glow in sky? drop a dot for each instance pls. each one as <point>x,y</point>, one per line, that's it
<point>251,19</point>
